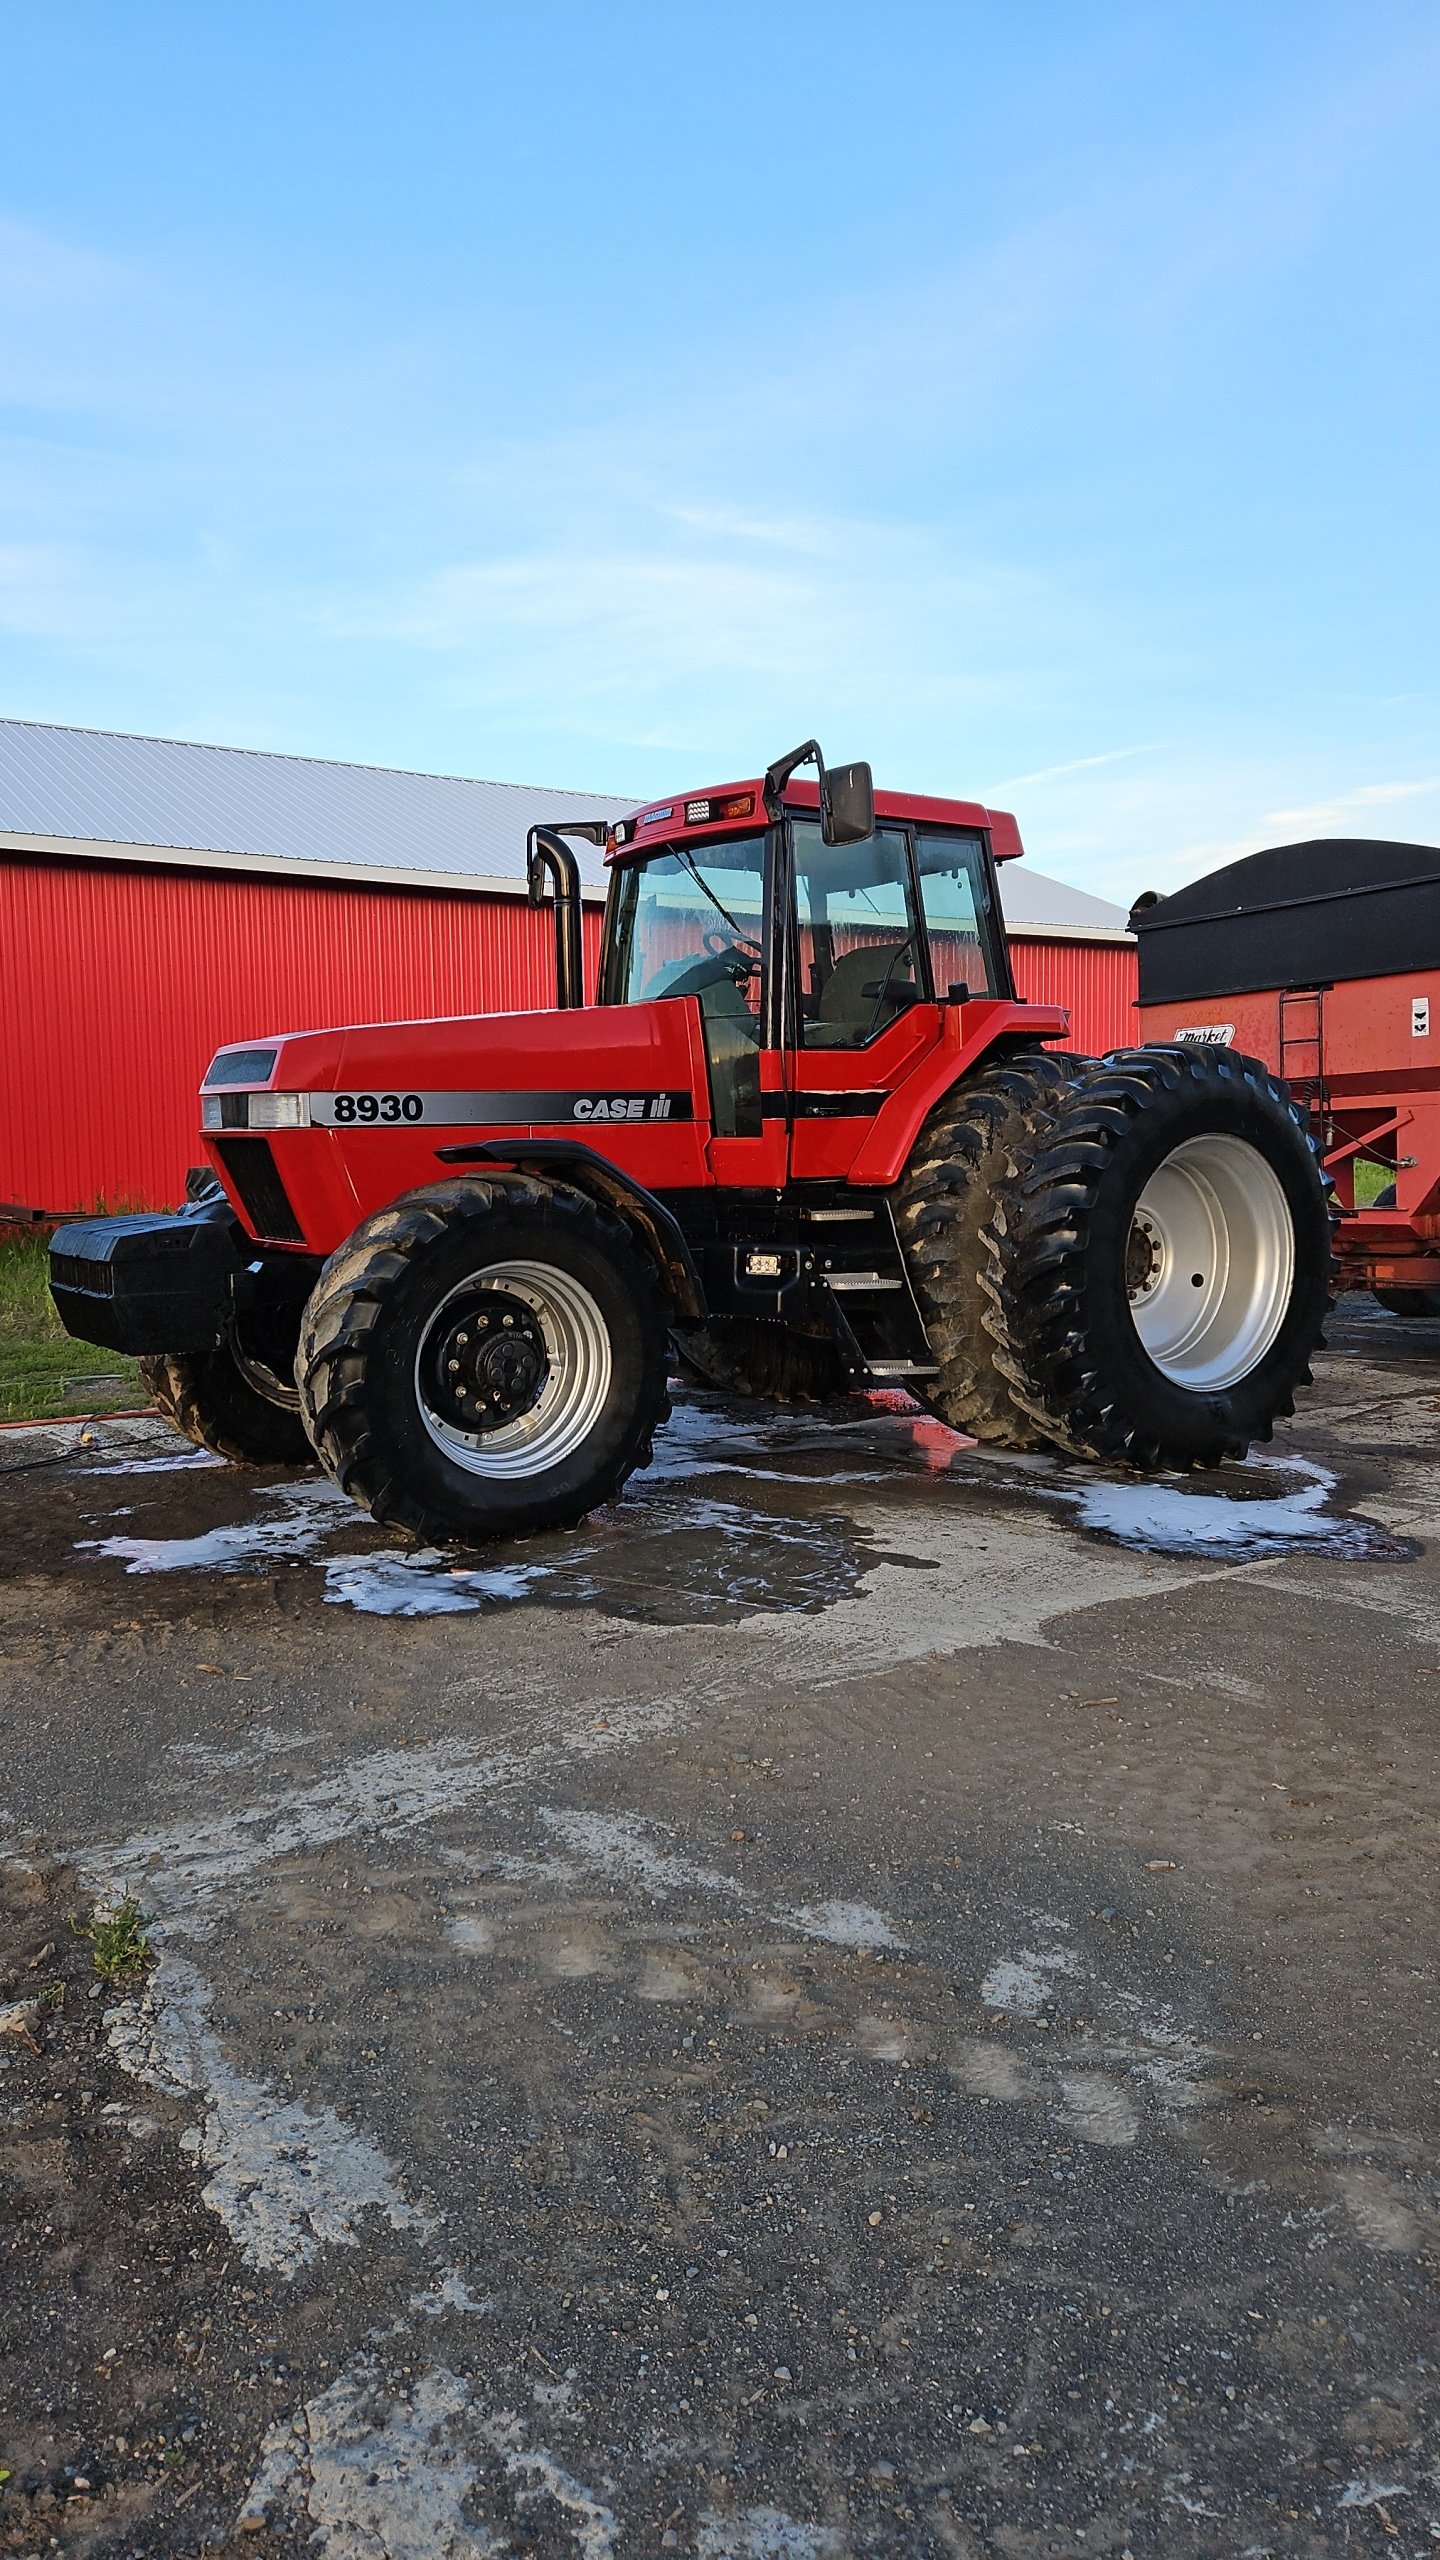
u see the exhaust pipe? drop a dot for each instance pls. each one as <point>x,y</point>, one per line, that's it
<point>548,855</point>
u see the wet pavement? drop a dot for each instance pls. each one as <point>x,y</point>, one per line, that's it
<point>877,1998</point>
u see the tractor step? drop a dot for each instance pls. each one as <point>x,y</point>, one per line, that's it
<point>853,1280</point>
<point>904,1368</point>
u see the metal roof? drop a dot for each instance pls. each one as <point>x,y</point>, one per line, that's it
<point>88,790</point>
<point>1034,903</point>
<point>92,792</point>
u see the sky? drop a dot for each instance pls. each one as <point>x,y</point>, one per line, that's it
<point>1040,401</point>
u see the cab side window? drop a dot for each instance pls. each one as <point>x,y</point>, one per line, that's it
<point>955,891</point>
<point>859,935</point>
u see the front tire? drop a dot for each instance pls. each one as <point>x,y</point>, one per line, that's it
<point>484,1359</point>
<point>1160,1261</point>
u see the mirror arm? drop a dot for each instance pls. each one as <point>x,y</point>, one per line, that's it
<point>778,774</point>
<point>832,831</point>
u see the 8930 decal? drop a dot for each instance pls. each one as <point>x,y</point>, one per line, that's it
<point>377,1106</point>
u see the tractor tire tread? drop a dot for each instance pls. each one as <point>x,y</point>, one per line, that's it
<point>942,1204</point>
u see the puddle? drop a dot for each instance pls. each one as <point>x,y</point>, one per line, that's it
<point>660,1555</point>
<point>305,1517</point>
<point>671,1552</point>
<point>886,1431</point>
<point>1267,1507</point>
<point>427,1584</point>
<point>1256,1509</point>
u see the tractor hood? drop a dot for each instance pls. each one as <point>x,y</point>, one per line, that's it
<point>540,1071</point>
<point>312,1131</point>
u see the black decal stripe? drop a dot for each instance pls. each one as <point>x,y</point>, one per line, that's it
<point>821,1106</point>
<point>504,1110</point>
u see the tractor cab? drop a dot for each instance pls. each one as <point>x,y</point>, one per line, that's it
<point>806,920</point>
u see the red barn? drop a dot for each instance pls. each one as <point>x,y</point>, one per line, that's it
<point>159,899</point>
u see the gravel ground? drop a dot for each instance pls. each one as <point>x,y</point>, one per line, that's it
<point>875,2000</point>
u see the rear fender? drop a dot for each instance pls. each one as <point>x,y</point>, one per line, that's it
<point>648,1218</point>
<point>970,1035</point>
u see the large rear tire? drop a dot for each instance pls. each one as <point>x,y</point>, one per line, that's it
<point>943,1204</point>
<point>742,1356</point>
<point>484,1359</point>
<point>1160,1260</point>
<point>228,1404</point>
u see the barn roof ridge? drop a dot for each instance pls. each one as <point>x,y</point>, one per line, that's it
<point>294,755</point>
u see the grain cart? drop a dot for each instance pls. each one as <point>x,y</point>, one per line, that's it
<point>807,1132</point>
<point>1323,959</point>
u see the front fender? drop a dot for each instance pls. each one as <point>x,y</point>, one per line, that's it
<point>568,1160</point>
<point>970,1034</point>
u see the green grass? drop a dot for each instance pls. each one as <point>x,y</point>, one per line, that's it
<point>1370,1180</point>
<point>117,1940</point>
<point>43,1373</point>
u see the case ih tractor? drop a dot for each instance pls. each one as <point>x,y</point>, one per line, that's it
<point>807,1132</point>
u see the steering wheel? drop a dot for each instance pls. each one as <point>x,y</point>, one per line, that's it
<point>898,954</point>
<point>718,943</point>
<point>729,961</point>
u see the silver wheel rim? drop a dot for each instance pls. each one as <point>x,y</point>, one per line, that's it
<point>1211,1262</point>
<point>577,1383</point>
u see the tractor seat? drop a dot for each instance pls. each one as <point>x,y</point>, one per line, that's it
<point>849,1000</point>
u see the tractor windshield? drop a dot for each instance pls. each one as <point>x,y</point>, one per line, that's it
<point>688,923</point>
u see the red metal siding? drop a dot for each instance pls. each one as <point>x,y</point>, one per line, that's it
<point>118,984</point>
<point>1097,980</point>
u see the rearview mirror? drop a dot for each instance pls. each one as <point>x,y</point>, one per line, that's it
<point>848,794</point>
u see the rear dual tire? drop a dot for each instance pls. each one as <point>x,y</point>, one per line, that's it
<point>1160,1260</point>
<point>943,1207</point>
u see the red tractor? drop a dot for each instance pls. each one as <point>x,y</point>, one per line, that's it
<point>807,1134</point>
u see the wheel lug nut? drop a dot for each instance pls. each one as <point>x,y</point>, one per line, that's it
<point>507,1319</point>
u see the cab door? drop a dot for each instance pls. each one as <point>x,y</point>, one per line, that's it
<point>862,1013</point>
<point>743,1037</point>
<point>885,935</point>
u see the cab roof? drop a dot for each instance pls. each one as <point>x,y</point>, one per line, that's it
<point>737,808</point>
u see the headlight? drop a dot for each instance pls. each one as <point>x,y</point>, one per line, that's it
<point>279,1110</point>
<point>254,1111</point>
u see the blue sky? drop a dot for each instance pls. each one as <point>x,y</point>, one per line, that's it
<point>1041,400</point>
